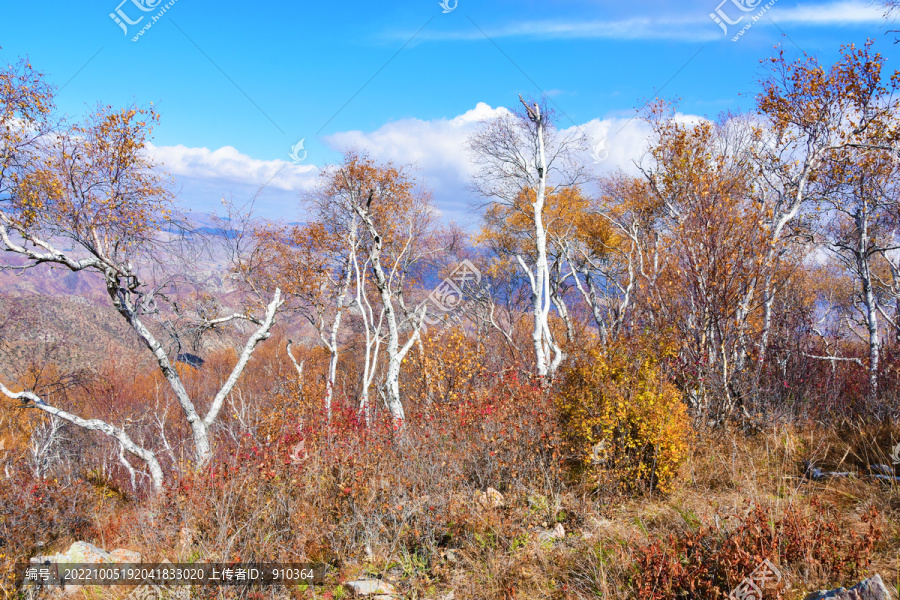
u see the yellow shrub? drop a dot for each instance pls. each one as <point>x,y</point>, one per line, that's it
<point>445,368</point>
<point>620,415</point>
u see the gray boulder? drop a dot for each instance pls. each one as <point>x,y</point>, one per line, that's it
<point>869,589</point>
<point>79,552</point>
<point>373,588</point>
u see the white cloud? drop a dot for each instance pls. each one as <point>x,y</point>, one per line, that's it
<point>437,148</point>
<point>691,23</point>
<point>847,12</point>
<point>616,142</point>
<point>227,163</point>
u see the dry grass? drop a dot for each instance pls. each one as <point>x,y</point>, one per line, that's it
<point>406,510</point>
<point>419,525</point>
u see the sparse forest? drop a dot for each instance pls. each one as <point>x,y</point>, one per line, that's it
<point>621,386</point>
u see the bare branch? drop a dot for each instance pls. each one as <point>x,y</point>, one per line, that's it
<point>116,433</point>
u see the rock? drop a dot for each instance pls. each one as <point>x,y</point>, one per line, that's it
<point>124,556</point>
<point>868,589</point>
<point>185,537</point>
<point>381,590</point>
<point>89,554</point>
<point>490,498</point>
<point>557,533</point>
<point>79,552</point>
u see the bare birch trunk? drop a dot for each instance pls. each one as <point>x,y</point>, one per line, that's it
<point>117,433</point>
<point>540,280</point>
<point>862,260</point>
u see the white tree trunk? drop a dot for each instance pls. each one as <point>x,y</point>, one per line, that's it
<point>199,426</point>
<point>332,368</point>
<point>372,329</point>
<point>540,280</point>
<point>332,342</point>
<point>862,260</point>
<point>117,433</point>
<point>396,352</point>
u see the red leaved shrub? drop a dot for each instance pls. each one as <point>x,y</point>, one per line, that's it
<point>709,562</point>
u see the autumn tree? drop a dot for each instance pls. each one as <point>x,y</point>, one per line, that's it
<point>86,198</point>
<point>521,156</point>
<point>608,248</point>
<point>379,224</point>
<point>313,265</point>
<point>860,198</point>
<point>820,123</point>
<point>500,307</point>
<point>508,232</point>
<point>711,228</point>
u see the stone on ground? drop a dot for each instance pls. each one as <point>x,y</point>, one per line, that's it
<point>379,590</point>
<point>869,589</point>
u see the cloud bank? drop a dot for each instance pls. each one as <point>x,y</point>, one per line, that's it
<point>228,164</point>
<point>436,149</point>
<point>690,24</point>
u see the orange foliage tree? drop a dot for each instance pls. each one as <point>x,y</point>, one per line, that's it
<point>92,185</point>
<point>833,134</point>
<point>522,159</point>
<point>313,266</point>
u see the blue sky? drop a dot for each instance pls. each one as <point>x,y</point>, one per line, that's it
<point>238,84</point>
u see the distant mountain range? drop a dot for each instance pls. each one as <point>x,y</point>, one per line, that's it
<point>49,306</point>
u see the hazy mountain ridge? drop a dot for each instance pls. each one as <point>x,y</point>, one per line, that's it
<point>42,307</point>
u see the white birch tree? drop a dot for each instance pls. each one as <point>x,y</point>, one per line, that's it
<point>87,199</point>
<point>518,154</point>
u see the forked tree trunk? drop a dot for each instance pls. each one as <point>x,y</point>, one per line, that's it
<point>199,425</point>
<point>396,352</point>
<point>116,433</point>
